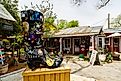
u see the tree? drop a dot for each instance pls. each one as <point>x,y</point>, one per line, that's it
<point>49,16</point>
<point>63,24</point>
<point>12,8</point>
<point>101,3</point>
<point>116,22</point>
<point>73,23</point>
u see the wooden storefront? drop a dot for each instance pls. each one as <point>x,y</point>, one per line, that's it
<point>76,40</point>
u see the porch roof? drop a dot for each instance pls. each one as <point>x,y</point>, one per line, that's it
<point>4,14</point>
<point>78,31</point>
<point>112,30</point>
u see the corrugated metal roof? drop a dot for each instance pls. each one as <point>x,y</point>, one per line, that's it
<point>4,14</point>
<point>112,30</point>
<point>78,31</point>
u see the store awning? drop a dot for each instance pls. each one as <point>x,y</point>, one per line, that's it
<point>116,34</point>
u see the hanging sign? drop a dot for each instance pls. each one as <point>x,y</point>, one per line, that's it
<point>7,27</point>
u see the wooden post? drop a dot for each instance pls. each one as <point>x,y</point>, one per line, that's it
<point>103,42</point>
<point>108,20</point>
<point>119,44</point>
<point>111,44</point>
<point>61,45</point>
<point>93,42</point>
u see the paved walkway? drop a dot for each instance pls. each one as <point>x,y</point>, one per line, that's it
<point>81,71</point>
<point>13,76</point>
<point>107,72</point>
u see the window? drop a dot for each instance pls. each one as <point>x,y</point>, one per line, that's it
<point>67,43</point>
<point>107,41</point>
<point>77,42</point>
<point>116,42</point>
<point>100,42</point>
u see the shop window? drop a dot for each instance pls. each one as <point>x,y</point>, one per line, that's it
<point>116,41</point>
<point>67,43</point>
<point>107,44</point>
<point>107,41</point>
<point>100,42</point>
<point>77,41</point>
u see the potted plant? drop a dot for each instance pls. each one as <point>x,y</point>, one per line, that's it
<point>102,54</point>
<point>3,64</point>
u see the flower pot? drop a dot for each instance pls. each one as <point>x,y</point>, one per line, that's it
<point>102,57</point>
<point>3,68</point>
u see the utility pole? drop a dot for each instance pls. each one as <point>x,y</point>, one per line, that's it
<point>108,20</point>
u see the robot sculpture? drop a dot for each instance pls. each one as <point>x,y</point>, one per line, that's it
<point>36,53</point>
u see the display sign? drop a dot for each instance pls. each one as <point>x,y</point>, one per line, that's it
<point>7,27</point>
<point>93,57</point>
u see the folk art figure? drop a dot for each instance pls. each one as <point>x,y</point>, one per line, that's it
<point>35,51</point>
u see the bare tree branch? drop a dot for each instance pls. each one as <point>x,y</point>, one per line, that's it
<point>104,4</point>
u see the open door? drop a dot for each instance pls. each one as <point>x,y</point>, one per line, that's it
<point>116,44</point>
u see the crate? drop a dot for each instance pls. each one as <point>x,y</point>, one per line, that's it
<point>44,74</point>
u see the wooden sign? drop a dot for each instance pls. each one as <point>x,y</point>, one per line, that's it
<point>93,57</point>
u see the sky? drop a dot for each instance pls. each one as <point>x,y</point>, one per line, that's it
<point>87,14</point>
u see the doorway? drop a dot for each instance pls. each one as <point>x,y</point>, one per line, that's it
<point>116,45</point>
<point>76,45</point>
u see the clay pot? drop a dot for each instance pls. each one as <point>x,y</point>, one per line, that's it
<point>3,69</point>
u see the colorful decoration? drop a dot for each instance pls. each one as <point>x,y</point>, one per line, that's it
<point>36,53</point>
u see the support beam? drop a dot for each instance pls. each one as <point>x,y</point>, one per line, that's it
<point>119,44</point>
<point>112,44</point>
<point>61,45</point>
<point>93,42</point>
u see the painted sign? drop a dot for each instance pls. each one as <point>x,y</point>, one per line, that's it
<point>93,57</point>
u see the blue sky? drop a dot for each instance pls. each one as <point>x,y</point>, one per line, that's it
<point>86,14</point>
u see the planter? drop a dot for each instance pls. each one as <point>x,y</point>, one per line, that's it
<point>102,57</point>
<point>44,74</point>
<point>3,68</point>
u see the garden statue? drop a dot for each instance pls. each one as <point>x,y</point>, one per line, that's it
<point>36,53</point>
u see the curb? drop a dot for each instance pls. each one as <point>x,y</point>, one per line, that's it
<point>11,73</point>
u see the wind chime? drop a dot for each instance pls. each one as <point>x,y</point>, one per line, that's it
<point>37,55</point>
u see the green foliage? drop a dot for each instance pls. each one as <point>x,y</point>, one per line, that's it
<point>50,17</point>
<point>61,24</point>
<point>116,22</point>
<point>19,39</point>
<point>73,23</point>
<point>5,40</point>
<point>109,57</point>
<point>12,8</point>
